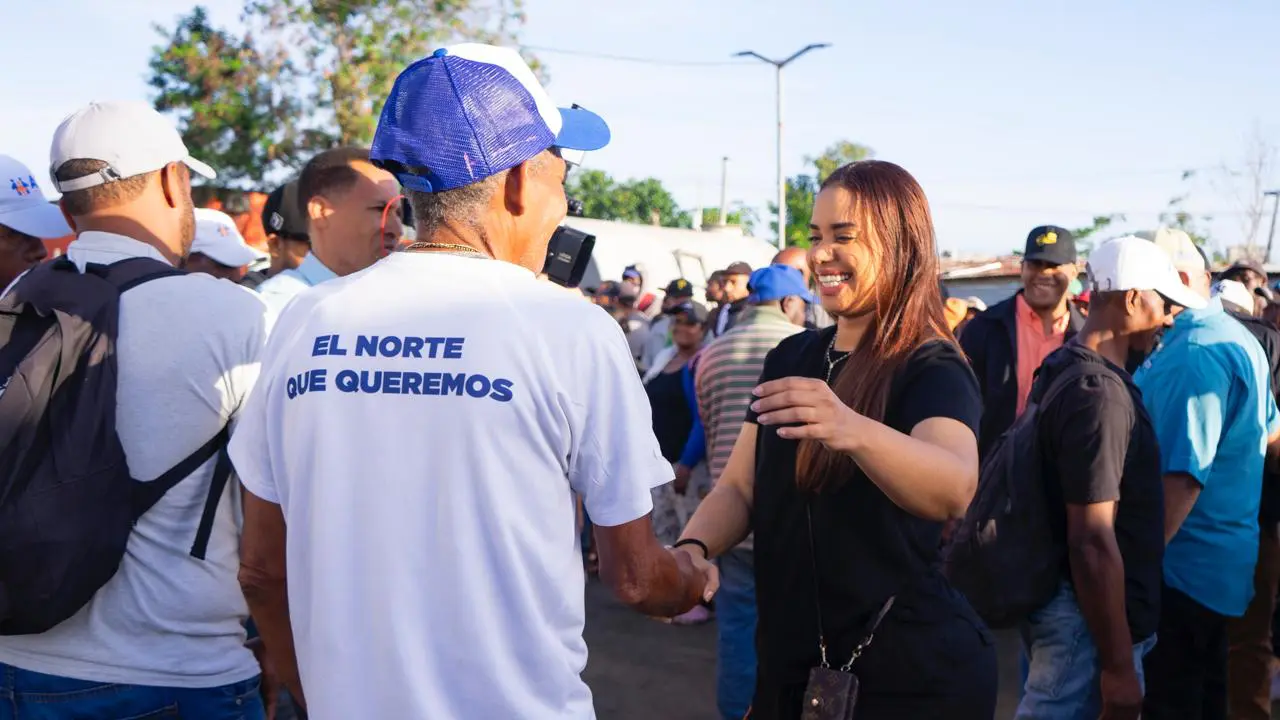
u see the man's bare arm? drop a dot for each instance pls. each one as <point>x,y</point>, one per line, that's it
<point>262,579</point>
<point>648,577</point>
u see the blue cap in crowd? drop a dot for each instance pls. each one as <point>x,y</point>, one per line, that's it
<point>470,111</point>
<point>772,283</point>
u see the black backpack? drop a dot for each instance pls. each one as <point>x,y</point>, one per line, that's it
<point>67,501</point>
<point>1003,555</point>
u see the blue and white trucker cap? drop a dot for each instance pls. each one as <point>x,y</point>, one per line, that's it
<point>468,112</point>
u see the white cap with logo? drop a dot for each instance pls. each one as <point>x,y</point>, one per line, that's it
<point>218,239</point>
<point>1132,263</point>
<point>1235,293</point>
<point>129,136</point>
<point>23,206</point>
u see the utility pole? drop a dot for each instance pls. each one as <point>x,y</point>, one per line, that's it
<point>724,191</point>
<point>782,181</point>
<point>1275,205</point>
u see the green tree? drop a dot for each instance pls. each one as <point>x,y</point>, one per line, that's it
<point>645,201</point>
<point>802,189</point>
<point>354,49</point>
<point>308,74</point>
<point>228,98</point>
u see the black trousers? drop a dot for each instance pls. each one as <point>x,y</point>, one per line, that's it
<point>1186,673</point>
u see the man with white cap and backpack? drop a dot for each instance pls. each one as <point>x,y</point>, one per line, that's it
<point>119,543</point>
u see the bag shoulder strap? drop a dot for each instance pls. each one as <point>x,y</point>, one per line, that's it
<point>147,494</point>
<point>128,274</point>
<point>1061,382</point>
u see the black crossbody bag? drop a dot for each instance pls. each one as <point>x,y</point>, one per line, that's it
<point>832,694</point>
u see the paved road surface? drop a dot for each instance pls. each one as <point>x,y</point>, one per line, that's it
<point>642,669</point>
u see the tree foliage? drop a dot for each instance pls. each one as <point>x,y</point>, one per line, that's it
<point>306,75</point>
<point>644,201</point>
<point>229,99</point>
<point>739,214</point>
<point>803,188</point>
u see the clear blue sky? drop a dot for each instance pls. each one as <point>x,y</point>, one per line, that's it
<point>1010,113</point>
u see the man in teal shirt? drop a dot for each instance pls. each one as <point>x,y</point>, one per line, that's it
<point>353,218</point>
<point>1207,389</point>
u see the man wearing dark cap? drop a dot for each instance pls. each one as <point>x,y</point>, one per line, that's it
<point>1007,343</point>
<point>286,229</point>
<point>735,291</point>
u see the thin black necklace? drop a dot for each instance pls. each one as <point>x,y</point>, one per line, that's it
<point>832,360</point>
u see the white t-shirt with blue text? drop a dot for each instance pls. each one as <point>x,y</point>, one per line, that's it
<point>423,425</point>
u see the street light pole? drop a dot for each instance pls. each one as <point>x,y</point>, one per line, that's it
<point>782,181</point>
<point>1275,205</point>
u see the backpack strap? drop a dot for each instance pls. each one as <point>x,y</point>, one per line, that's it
<point>221,473</point>
<point>147,494</point>
<point>128,274</point>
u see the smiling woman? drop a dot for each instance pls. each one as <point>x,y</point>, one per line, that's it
<point>860,445</point>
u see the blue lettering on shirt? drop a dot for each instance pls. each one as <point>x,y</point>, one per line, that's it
<point>398,382</point>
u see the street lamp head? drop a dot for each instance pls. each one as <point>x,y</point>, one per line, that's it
<point>1272,192</point>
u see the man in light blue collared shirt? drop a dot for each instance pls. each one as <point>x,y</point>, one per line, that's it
<point>353,219</point>
<point>1207,389</point>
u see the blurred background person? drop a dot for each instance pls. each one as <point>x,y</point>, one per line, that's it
<point>27,219</point>
<point>219,249</point>
<point>734,294</point>
<point>678,292</point>
<point>860,444</point>
<point>343,197</point>
<point>286,229</point>
<point>669,385</point>
<point>798,258</point>
<point>1007,343</point>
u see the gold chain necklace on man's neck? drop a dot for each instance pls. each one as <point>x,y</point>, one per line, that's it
<point>447,247</point>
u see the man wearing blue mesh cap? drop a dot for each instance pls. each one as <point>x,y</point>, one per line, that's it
<point>421,429</point>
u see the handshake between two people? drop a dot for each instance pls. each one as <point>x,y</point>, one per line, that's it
<point>652,579</point>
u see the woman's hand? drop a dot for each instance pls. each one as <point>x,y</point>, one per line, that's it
<point>810,402</point>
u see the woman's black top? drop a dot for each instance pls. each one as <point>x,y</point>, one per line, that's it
<point>867,548</point>
<point>672,414</point>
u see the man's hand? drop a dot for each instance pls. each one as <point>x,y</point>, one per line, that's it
<point>682,479</point>
<point>269,685</point>
<point>1121,695</point>
<point>690,558</point>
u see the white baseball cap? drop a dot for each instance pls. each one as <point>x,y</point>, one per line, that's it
<point>129,136</point>
<point>218,238</point>
<point>1234,292</point>
<point>23,206</point>
<point>1179,246</point>
<point>1134,263</point>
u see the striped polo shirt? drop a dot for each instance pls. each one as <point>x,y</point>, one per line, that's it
<point>728,369</point>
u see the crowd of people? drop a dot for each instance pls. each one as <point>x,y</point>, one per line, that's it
<point>362,481</point>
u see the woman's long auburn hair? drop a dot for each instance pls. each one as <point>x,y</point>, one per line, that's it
<point>908,310</point>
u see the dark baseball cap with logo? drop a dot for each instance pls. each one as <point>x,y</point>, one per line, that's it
<point>1051,244</point>
<point>680,288</point>
<point>282,216</point>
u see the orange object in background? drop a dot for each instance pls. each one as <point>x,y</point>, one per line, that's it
<point>248,223</point>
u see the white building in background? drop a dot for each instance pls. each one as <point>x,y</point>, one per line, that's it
<point>667,253</point>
